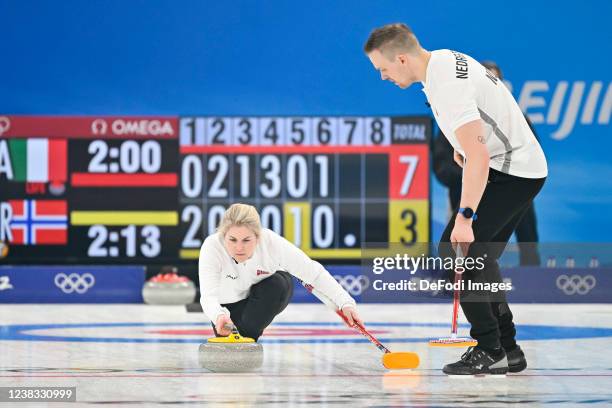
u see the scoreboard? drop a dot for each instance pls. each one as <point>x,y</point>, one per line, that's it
<point>150,189</point>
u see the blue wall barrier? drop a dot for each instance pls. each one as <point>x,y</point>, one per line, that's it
<point>529,285</point>
<point>123,284</point>
<point>71,284</point>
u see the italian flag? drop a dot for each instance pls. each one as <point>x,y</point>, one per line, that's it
<point>39,160</point>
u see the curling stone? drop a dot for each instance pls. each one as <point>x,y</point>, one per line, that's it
<point>231,354</point>
<point>168,289</point>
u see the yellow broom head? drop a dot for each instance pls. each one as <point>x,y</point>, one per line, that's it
<point>453,342</point>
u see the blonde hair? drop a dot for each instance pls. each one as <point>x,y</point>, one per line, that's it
<point>240,215</point>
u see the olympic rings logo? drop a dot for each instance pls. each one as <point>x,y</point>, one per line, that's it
<point>576,284</point>
<point>355,285</point>
<point>74,282</point>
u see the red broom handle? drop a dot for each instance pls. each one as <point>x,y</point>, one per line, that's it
<point>365,333</point>
<point>456,296</point>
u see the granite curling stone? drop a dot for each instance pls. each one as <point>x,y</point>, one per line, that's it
<point>231,354</point>
<point>168,289</point>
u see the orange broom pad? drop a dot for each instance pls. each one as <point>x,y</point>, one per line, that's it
<point>400,360</point>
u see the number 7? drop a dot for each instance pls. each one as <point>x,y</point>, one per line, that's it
<point>411,162</point>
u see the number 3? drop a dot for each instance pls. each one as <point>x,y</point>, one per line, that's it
<point>151,247</point>
<point>410,219</point>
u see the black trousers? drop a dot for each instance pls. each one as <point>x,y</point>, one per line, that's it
<point>505,200</point>
<point>266,300</point>
<point>527,238</point>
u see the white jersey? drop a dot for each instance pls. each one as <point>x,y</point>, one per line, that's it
<point>461,90</point>
<point>222,280</point>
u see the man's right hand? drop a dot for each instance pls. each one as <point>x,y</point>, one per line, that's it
<point>224,325</point>
<point>458,158</point>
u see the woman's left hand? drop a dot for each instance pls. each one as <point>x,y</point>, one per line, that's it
<point>350,312</point>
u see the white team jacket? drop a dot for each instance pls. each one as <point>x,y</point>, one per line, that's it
<point>222,280</point>
<point>461,90</point>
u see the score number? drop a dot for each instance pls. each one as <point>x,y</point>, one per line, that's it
<point>143,241</point>
<point>271,217</point>
<point>193,216</point>
<point>296,171</point>
<point>408,224</point>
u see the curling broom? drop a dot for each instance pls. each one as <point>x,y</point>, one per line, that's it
<point>454,340</point>
<point>391,360</point>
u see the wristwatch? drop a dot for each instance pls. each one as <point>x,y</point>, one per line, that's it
<point>467,212</point>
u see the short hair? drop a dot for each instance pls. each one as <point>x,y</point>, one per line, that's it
<point>492,66</point>
<point>240,215</point>
<point>392,39</point>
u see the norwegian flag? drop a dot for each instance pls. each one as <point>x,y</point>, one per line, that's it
<point>39,222</point>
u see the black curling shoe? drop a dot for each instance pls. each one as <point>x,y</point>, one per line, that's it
<point>516,360</point>
<point>476,361</point>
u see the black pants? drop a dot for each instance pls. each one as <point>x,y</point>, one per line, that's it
<point>267,299</point>
<point>526,231</point>
<point>505,200</point>
<point>527,238</point>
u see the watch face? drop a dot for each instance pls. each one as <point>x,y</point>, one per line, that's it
<point>468,213</point>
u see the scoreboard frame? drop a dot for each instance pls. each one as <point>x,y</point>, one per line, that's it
<point>123,183</point>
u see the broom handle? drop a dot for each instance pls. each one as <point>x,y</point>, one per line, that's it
<point>365,333</point>
<point>456,298</point>
<point>457,292</point>
<point>331,305</point>
<point>456,295</point>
